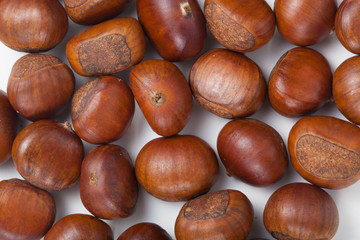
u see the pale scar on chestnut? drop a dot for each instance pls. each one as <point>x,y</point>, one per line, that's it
<point>157,98</point>
<point>93,179</point>
<point>185,9</point>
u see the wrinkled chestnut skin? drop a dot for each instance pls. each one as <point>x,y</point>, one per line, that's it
<point>300,83</point>
<point>89,12</point>
<point>26,212</point>
<point>225,214</point>
<point>301,211</point>
<point>176,168</point>
<point>163,95</point>
<point>346,88</point>
<point>108,186</point>
<point>305,22</point>
<point>240,26</point>
<point>252,151</point>
<point>107,48</point>
<point>145,231</point>
<point>48,154</point>
<point>42,25</point>
<point>79,227</point>
<point>227,84</point>
<point>102,109</point>
<point>176,28</point>
<point>42,80</point>
<point>325,151</point>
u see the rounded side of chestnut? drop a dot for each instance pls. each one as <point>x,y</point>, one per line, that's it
<point>144,230</point>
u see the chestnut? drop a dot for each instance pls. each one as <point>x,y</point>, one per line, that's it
<point>240,26</point>
<point>107,48</point>
<point>42,25</point>
<point>102,109</point>
<point>177,168</point>
<point>78,227</point>
<point>145,231</point>
<point>163,95</point>
<point>325,151</point>
<point>108,186</point>
<point>48,155</point>
<point>225,214</point>
<point>227,83</point>
<point>252,151</point>
<point>26,212</point>
<point>301,211</point>
<point>305,22</point>
<point>176,28</point>
<point>300,83</point>
<point>42,80</point>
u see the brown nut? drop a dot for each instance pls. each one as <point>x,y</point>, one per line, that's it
<point>145,231</point>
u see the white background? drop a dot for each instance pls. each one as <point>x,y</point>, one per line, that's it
<point>206,126</point>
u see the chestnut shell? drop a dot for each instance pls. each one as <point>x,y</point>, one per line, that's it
<point>145,231</point>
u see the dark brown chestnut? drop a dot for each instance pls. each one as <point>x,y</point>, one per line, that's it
<point>102,109</point>
<point>48,154</point>
<point>145,231</point>
<point>301,211</point>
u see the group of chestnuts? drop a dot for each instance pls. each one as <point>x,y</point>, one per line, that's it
<point>50,155</point>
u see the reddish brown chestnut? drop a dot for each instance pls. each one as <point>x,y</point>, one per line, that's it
<point>48,154</point>
<point>145,231</point>
<point>163,95</point>
<point>107,48</point>
<point>42,25</point>
<point>300,83</point>
<point>102,109</point>
<point>305,22</point>
<point>225,214</point>
<point>176,28</point>
<point>42,80</point>
<point>252,151</point>
<point>227,84</point>
<point>326,151</point>
<point>301,211</point>
<point>78,227</point>
<point>176,168</point>
<point>240,26</point>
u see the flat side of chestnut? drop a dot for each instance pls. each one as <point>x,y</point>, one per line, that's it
<point>145,231</point>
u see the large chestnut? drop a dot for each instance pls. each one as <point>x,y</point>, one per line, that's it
<point>301,211</point>
<point>227,84</point>
<point>224,214</point>
<point>102,109</point>
<point>177,168</point>
<point>305,22</point>
<point>26,212</point>
<point>32,25</point>
<point>252,151</point>
<point>163,95</point>
<point>300,83</point>
<point>240,26</point>
<point>48,154</point>
<point>176,28</point>
<point>39,86</point>
<point>145,231</point>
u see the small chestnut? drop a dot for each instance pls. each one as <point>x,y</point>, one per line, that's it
<point>145,231</point>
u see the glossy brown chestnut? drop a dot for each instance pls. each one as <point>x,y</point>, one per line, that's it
<point>79,227</point>
<point>227,84</point>
<point>346,88</point>
<point>145,231</point>
<point>301,211</point>
<point>108,186</point>
<point>107,48</point>
<point>48,154</point>
<point>42,25</point>
<point>177,168</point>
<point>240,26</point>
<point>224,214</point>
<point>163,95</point>
<point>42,80</point>
<point>93,11</point>
<point>326,151</point>
<point>305,22</point>
<point>26,212</point>
<point>300,83</point>
<point>176,28</point>
<point>252,151</point>
<point>102,109</point>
